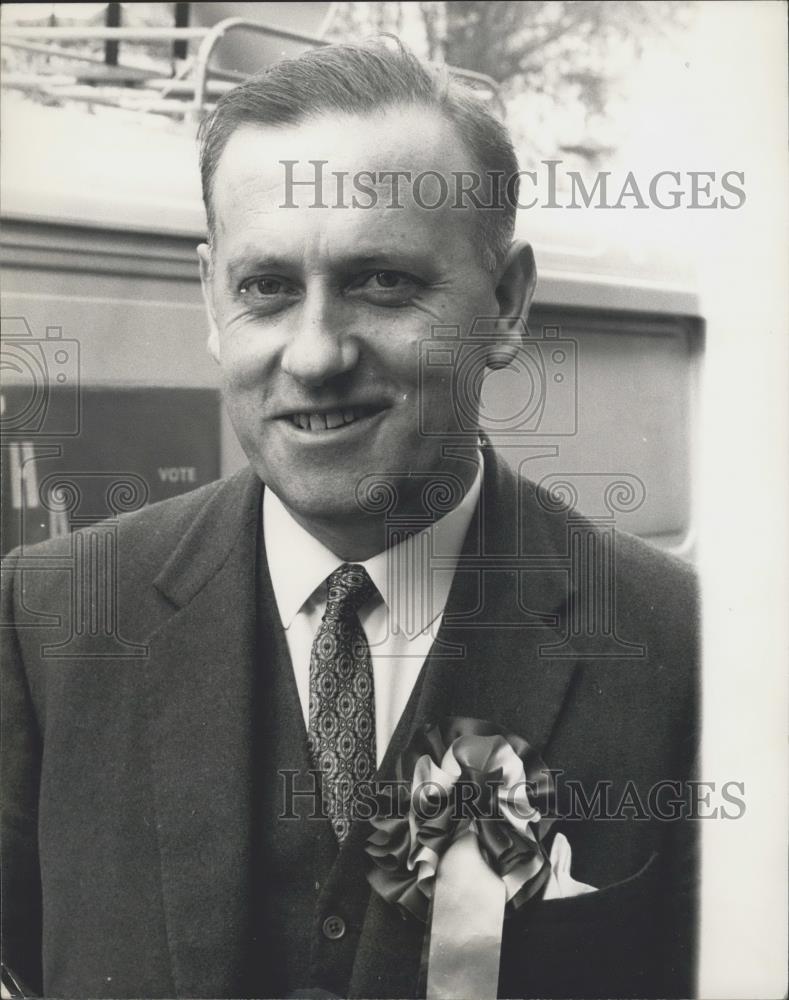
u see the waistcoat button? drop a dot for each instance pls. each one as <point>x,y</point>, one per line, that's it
<point>333,928</point>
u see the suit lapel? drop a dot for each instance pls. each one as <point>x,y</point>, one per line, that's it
<point>200,683</point>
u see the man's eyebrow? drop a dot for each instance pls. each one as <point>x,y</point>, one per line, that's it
<point>389,258</point>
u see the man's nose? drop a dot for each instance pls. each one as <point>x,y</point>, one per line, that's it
<point>320,347</point>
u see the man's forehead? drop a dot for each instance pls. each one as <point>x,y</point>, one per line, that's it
<point>411,139</point>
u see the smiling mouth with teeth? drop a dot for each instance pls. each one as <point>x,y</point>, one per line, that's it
<point>330,420</point>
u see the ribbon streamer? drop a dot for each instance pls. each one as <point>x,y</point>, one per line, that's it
<point>465,933</point>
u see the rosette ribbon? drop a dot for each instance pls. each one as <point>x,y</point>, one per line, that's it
<point>457,843</point>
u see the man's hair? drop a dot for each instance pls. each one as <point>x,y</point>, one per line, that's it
<point>361,80</point>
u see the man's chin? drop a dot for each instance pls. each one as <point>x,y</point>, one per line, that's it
<point>319,503</point>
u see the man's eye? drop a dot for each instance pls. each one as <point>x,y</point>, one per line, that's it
<point>387,287</point>
<point>389,279</point>
<point>264,287</point>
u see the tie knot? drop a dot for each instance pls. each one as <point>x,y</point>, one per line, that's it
<point>348,588</point>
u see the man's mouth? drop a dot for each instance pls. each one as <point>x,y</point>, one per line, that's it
<point>329,420</point>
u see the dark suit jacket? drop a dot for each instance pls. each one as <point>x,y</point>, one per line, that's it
<point>126,758</point>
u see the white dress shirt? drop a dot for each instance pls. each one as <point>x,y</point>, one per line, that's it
<point>413,579</point>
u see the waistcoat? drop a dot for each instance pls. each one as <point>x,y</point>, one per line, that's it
<point>310,896</point>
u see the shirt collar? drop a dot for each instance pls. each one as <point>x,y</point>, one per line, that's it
<point>413,577</point>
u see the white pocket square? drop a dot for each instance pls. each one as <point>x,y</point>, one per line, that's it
<point>561,885</point>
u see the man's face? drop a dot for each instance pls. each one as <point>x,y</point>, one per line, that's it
<point>318,313</point>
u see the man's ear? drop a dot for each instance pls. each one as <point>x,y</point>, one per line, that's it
<point>206,270</point>
<point>517,281</point>
<point>514,292</point>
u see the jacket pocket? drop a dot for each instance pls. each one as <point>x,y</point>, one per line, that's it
<point>611,899</point>
<point>608,943</point>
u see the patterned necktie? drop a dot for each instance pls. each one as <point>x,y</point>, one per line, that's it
<point>341,734</point>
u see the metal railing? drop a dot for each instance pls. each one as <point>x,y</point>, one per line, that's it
<point>188,93</point>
